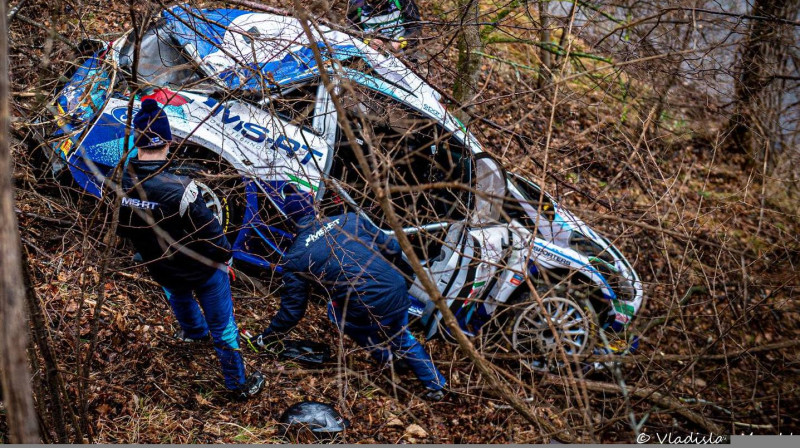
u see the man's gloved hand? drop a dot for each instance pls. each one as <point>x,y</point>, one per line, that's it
<point>267,341</point>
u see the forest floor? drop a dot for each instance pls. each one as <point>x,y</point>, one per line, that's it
<point>719,329</point>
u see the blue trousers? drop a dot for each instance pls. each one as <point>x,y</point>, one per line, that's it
<point>216,317</point>
<point>376,335</point>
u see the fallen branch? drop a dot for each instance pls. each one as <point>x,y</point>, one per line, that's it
<point>61,222</point>
<point>633,359</point>
<point>646,393</point>
<point>137,278</point>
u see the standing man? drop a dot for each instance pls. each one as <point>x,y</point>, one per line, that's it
<point>396,21</point>
<point>184,247</point>
<point>353,260</point>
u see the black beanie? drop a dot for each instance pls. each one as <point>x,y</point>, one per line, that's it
<point>151,126</point>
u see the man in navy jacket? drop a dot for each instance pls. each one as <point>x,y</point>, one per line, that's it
<point>183,247</point>
<point>349,257</point>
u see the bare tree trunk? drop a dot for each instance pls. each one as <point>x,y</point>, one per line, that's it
<point>23,424</point>
<point>674,67</point>
<point>468,65</point>
<point>545,73</point>
<point>755,124</point>
<point>54,383</point>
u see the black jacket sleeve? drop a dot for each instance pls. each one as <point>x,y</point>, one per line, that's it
<point>388,245</point>
<point>294,302</point>
<point>206,232</point>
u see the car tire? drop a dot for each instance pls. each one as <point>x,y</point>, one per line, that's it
<point>532,338</point>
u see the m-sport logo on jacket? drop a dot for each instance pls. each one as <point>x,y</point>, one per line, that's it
<point>321,232</point>
<point>138,203</point>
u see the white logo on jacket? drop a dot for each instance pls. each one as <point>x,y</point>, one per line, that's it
<point>321,232</point>
<point>189,196</point>
<point>137,203</point>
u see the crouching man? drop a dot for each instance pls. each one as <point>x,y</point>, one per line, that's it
<point>183,246</point>
<point>348,255</point>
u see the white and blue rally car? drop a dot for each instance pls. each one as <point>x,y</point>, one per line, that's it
<point>248,108</point>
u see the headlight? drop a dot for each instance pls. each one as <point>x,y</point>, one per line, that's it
<point>604,262</point>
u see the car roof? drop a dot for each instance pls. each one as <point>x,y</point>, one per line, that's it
<point>247,50</point>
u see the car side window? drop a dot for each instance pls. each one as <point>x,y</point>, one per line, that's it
<point>427,169</point>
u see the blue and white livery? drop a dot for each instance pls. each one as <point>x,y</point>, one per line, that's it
<point>244,93</point>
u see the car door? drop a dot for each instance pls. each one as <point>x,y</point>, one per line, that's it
<point>480,251</point>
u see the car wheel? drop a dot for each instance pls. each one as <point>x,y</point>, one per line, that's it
<point>538,330</point>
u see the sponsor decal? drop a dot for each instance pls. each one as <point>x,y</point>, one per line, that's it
<point>476,288</point>
<point>622,308</point>
<point>551,256</point>
<point>121,114</point>
<point>189,196</point>
<point>415,310</point>
<point>516,280</point>
<point>61,118</point>
<point>432,111</point>
<point>259,134</point>
<point>622,312</point>
<point>66,146</point>
<point>621,318</point>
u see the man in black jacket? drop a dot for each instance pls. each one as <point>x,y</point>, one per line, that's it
<point>360,267</point>
<point>397,21</point>
<point>183,246</point>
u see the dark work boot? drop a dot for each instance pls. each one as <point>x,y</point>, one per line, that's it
<point>251,387</point>
<point>181,336</point>
<point>433,395</point>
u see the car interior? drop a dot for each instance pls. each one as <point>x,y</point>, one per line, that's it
<point>161,60</point>
<point>424,167</point>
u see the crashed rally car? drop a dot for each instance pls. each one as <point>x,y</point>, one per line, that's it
<point>250,114</point>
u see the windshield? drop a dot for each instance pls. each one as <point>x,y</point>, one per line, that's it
<point>161,61</point>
